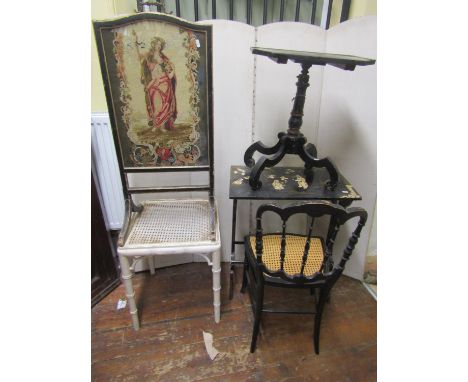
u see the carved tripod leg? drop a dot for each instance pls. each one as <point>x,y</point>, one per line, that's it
<point>311,149</point>
<point>309,171</point>
<point>311,162</point>
<point>216,269</point>
<point>262,149</point>
<point>129,292</point>
<point>265,162</point>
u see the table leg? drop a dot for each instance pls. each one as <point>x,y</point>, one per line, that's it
<point>233,249</point>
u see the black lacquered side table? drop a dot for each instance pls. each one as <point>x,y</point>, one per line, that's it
<point>293,141</point>
<point>284,183</point>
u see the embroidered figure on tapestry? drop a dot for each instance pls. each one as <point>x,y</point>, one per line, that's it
<point>159,92</point>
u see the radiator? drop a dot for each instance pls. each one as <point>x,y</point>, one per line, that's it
<point>104,160</point>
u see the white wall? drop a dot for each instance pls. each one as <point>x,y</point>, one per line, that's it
<point>348,122</point>
<point>233,86</point>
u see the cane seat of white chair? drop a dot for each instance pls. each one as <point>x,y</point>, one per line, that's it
<point>173,226</point>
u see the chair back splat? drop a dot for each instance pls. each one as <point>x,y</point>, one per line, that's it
<point>307,246</point>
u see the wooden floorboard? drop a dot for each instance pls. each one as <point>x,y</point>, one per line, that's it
<point>176,306</point>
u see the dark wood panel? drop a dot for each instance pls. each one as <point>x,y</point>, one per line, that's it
<point>281,183</point>
<point>104,275</point>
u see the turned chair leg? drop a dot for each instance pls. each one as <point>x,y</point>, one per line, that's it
<point>258,316</point>
<point>244,274</point>
<point>216,269</point>
<point>324,293</point>
<point>256,329</point>
<point>129,291</point>
<point>151,264</point>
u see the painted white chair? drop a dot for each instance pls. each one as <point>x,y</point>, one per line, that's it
<point>157,72</point>
<point>167,227</point>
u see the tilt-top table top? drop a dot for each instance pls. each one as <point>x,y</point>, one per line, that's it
<point>342,61</point>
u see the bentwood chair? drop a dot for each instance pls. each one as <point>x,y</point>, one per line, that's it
<point>296,261</point>
<point>157,72</point>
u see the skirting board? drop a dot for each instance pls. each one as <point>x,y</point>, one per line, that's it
<point>370,290</point>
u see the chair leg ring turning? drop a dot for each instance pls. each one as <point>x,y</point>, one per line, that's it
<point>216,269</point>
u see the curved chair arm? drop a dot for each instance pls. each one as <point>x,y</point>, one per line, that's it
<point>126,224</point>
<point>352,213</point>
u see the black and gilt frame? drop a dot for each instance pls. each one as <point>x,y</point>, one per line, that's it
<point>150,135</point>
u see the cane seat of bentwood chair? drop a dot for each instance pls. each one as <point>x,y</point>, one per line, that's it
<point>293,261</point>
<point>296,261</point>
<point>157,72</point>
